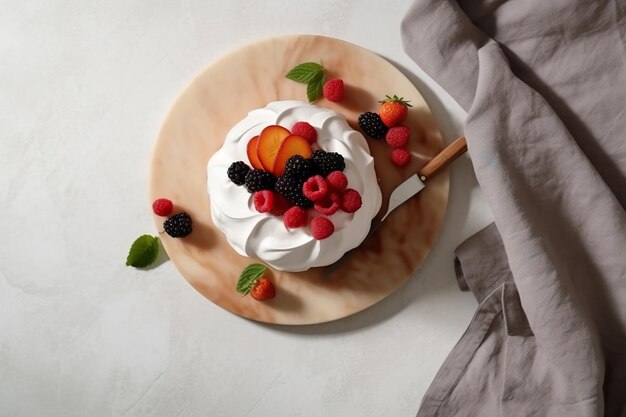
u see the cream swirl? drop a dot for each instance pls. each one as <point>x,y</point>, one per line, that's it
<point>264,236</point>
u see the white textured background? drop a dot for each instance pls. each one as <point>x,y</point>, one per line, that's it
<point>84,86</point>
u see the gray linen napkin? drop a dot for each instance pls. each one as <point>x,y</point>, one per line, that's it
<point>544,85</point>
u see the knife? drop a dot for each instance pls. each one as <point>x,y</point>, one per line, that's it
<point>410,187</point>
<point>416,182</point>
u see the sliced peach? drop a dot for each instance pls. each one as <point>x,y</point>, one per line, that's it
<point>292,145</point>
<point>270,140</point>
<point>251,150</point>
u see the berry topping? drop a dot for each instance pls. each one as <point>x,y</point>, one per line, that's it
<point>263,290</point>
<point>281,204</point>
<point>299,167</point>
<point>257,180</point>
<point>400,157</point>
<point>327,162</point>
<point>329,204</point>
<point>337,181</point>
<point>162,207</point>
<point>315,188</point>
<point>398,136</point>
<point>295,217</point>
<point>264,201</point>
<point>322,227</point>
<point>350,200</point>
<point>393,110</point>
<point>291,188</point>
<point>372,125</point>
<point>178,225</point>
<point>333,90</point>
<point>237,172</point>
<point>305,130</point>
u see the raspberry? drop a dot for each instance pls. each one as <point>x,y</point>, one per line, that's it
<point>327,162</point>
<point>315,188</point>
<point>264,201</point>
<point>400,157</point>
<point>299,167</point>
<point>322,227</point>
<point>281,204</point>
<point>328,205</point>
<point>178,225</point>
<point>257,180</point>
<point>333,90</point>
<point>372,125</point>
<point>350,200</point>
<point>305,130</point>
<point>237,172</point>
<point>162,207</point>
<point>294,217</point>
<point>398,136</point>
<point>337,181</point>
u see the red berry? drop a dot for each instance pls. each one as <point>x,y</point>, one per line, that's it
<point>315,188</point>
<point>337,181</point>
<point>333,90</point>
<point>162,207</point>
<point>281,204</point>
<point>351,200</point>
<point>398,136</point>
<point>393,110</point>
<point>305,130</point>
<point>321,227</point>
<point>264,201</point>
<point>294,217</point>
<point>263,289</point>
<point>329,204</point>
<point>400,157</point>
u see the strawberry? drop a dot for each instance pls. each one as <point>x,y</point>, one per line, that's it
<point>393,110</point>
<point>263,289</point>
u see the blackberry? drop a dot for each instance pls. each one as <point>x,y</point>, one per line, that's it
<point>257,180</point>
<point>299,167</point>
<point>291,188</point>
<point>372,125</point>
<point>327,162</point>
<point>178,225</point>
<point>237,172</point>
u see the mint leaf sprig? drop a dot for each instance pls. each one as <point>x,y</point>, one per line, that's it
<point>311,74</point>
<point>249,277</point>
<point>143,251</point>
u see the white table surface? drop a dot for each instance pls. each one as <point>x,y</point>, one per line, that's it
<point>84,87</point>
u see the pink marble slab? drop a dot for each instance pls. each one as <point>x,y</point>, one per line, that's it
<point>249,78</point>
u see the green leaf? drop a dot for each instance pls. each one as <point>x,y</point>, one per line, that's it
<point>143,252</point>
<point>304,73</point>
<point>314,87</point>
<point>249,276</point>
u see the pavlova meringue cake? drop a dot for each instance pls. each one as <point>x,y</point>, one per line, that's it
<point>279,192</point>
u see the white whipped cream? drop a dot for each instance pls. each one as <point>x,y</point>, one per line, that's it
<point>264,236</point>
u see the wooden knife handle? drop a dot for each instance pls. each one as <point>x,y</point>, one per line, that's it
<point>443,158</point>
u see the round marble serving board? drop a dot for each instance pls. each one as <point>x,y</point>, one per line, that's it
<point>249,78</point>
